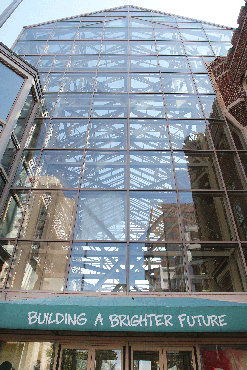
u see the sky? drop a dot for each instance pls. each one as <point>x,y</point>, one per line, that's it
<point>29,12</point>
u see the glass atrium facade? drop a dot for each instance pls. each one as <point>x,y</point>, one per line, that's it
<point>131,180</point>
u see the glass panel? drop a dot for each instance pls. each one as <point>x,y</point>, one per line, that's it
<point>173,64</point>
<point>65,133</point>
<point>107,360</point>
<point>83,63</point>
<point>36,34</point>
<point>145,47</point>
<point>26,169</point>
<point>73,105</point>
<point>101,215</point>
<point>113,63</point>
<point>56,47</point>
<point>211,106</point>
<point>78,82</point>
<point>170,48</point>
<point>49,215</point>
<point>179,360</point>
<point>193,35</point>
<point>86,47</point>
<point>8,156</point>
<point>6,250</point>
<point>25,355</point>
<point>145,82</point>
<point>220,134</point>
<point>204,85</point>
<point>239,208</point>
<point>215,268</point>
<point>221,48</point>
<point>53,82</point>
<point>104,170</point>
<point>226,357</point>
<point>196,171</point>
<point>189,134</point>
<point>10,85</point>
<point>68,23</point>
<point>177,83</point>
<point>112,82</point>
<point>75,359</point>
<point>198,48</point>
<point>98,267</point>
<point>146,360</point>
<point>231,171</point>
<point>167,34</point>
<point>115,34</point>
<point>107,134</point>
<point>32,59</point>
<point>39,266</point>
<point>117,47</point>
<point>64,33</point>
<point>197,65</point>
<point>37,133</point>
<point>24,116</point>
<point>220,35</point>
<point>151,170</point>
<point>206,216</point>
<point>138,23</point>
<point>60,63</point>
<point>141,34</point>
<point>29,47</point>
<point>59,169</point>
<point>144,63</point>
<point>147,106</point>
<point>89,33</point>
<point>189,24</point>
<point>149,134</point>
<point>109,105</point>
<point>2,185</point>
<point>157,268</point>
<point>111,22</point>
<point>182,106</point>
<point>12,214</point>
<point>49,102</point>
<point>45,63</point>
<point>153,216</point>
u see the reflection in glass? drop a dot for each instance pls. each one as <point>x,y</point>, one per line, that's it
<point>188,134</point>
<point>183,106</point>
<point>49,215</point>
<point>146,360</point>
<point>109,105</point>
<point>179,360</point>
<point>98,267</point>
<point>75,359</point>
<point>25,172</point>
<point>173,64</point>
<point>107,359</point>
<point>28,355</point>
<point>196,170</point>
<point>205,216</point>
<point>215,268</point>
<point>154,216</point>
<point>146,106</point>
<point>157,268</point>
<point>239,208</point>
<point>73,105</point>
<point>113,63</point>
<point>6,250</point>
<point>107,134</point>
<point>177,83</point>
<point>59,169</point>
<point>230,357</point>
<point>39,266</point>
<point>148,82</point>
<point>101,215</point>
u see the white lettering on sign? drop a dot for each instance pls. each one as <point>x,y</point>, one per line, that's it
<point>122,321</point>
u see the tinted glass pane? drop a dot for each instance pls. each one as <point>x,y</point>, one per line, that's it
<point>107,134</point>
<point>10,85</point>
<point>149,134</point>
<point>98,267</point>
<point>157,268</point>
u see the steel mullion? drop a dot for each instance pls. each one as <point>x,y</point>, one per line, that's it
<point>128,166</point>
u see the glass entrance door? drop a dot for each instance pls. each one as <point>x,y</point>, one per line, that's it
<point>163,358</point>
<point>91,359</point>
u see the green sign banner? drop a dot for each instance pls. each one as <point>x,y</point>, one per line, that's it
<point>124,314</point>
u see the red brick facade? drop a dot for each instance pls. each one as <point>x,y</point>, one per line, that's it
<point>230,71</point>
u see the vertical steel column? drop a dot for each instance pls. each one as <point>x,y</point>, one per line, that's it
<point>8,11</point>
